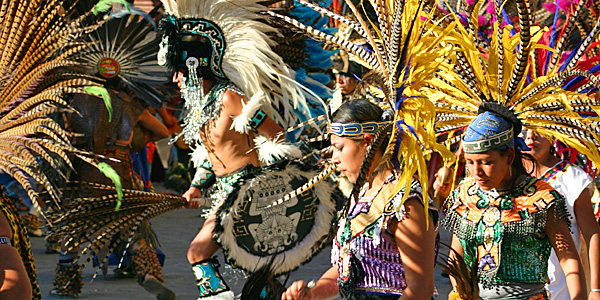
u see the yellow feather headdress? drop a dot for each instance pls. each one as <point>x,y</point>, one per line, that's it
<point>406,52</point>
<point>504,75</point>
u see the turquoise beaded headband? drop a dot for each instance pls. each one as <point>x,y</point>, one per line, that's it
<point>355,129</point>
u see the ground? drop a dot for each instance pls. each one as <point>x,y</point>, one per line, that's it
<point>175,230</point>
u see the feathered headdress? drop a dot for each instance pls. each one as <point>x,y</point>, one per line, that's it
<point>508,76</point>
<point>406,53</point>
<point>37,40</point>
<point>125,47</point>
<point>236,48</point>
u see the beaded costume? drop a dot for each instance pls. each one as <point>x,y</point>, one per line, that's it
<point>364,242</point>
<point>503,231</point>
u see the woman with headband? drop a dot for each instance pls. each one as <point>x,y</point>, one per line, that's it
<point>385,247</point>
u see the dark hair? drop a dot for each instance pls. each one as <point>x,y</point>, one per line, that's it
<point>360,110</point>
<point>357,110</point>
<point>518,162</point>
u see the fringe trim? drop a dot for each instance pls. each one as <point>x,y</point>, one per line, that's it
<point>228,295</point>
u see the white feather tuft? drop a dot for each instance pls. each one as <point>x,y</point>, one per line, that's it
<point>271,150</point>
<point>241,123</point>
<point>198,156</point>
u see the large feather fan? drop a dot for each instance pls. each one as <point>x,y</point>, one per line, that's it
<point>36,41</point>
<point>406,52</point>
<point>507,75</point>
<point>125,47</point>
<point>94,219</point>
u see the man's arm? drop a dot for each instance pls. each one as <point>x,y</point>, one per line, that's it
<point>233,106</point>
<point>14,282</point>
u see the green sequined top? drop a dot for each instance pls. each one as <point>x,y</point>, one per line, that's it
<point>503,233</point>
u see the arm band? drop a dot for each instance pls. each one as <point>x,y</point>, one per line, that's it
<point>5,241</point>
<point>258,118</point>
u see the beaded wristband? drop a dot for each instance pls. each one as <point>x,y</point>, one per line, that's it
<point>5,241</point>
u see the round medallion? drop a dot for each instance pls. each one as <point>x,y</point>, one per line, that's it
<point>108,67</point>
<point>491,216</point>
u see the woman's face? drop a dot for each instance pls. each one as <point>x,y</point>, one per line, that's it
<point>540,146</point>
<point>345,83</point>
<point>348,155</point>
<point>490,169</point>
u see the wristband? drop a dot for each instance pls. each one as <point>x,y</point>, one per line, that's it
<point>594,290</point>
<point>5,241</point>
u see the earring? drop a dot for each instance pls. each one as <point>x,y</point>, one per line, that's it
<point>510,172</point>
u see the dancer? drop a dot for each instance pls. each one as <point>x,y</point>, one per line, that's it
<point>385,247</point>
<point>505,222</point>
<point>235,87</point>
<point>484,205</point>
<point>120,60</point>
<point>388,226</point>
<point>573,183</point>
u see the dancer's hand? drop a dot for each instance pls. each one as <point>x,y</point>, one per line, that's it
<point>192,193</point>
<point>296,291</point>
<point>442,184</point>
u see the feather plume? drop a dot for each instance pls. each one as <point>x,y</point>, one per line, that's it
<point>94,218</point>
<point>37,40</point>
<point>536,95</point>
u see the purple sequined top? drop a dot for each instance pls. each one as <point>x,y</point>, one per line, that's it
<point>375,249</point>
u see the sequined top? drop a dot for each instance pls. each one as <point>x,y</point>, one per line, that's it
<point>503,232</point>
<point>367,258</point>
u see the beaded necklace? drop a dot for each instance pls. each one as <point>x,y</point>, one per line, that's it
<point>551,174</point>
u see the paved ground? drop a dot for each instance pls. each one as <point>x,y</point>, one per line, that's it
<point>175,230</point>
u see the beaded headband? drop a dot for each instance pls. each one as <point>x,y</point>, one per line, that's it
<point>493,142</point>
<point>355,129</point>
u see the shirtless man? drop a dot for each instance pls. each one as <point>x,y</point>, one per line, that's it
<point>228,152</point>
<point>234,87</point>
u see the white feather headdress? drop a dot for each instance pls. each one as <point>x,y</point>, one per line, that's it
<point>247,59</point>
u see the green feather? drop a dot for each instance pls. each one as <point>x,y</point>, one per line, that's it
<point>109,172</point>
<point>105,5</point>
<point>101,92</point>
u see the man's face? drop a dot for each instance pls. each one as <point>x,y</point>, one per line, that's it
<point>346,83</point>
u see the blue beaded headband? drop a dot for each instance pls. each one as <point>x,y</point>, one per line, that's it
<point>355,129</point>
